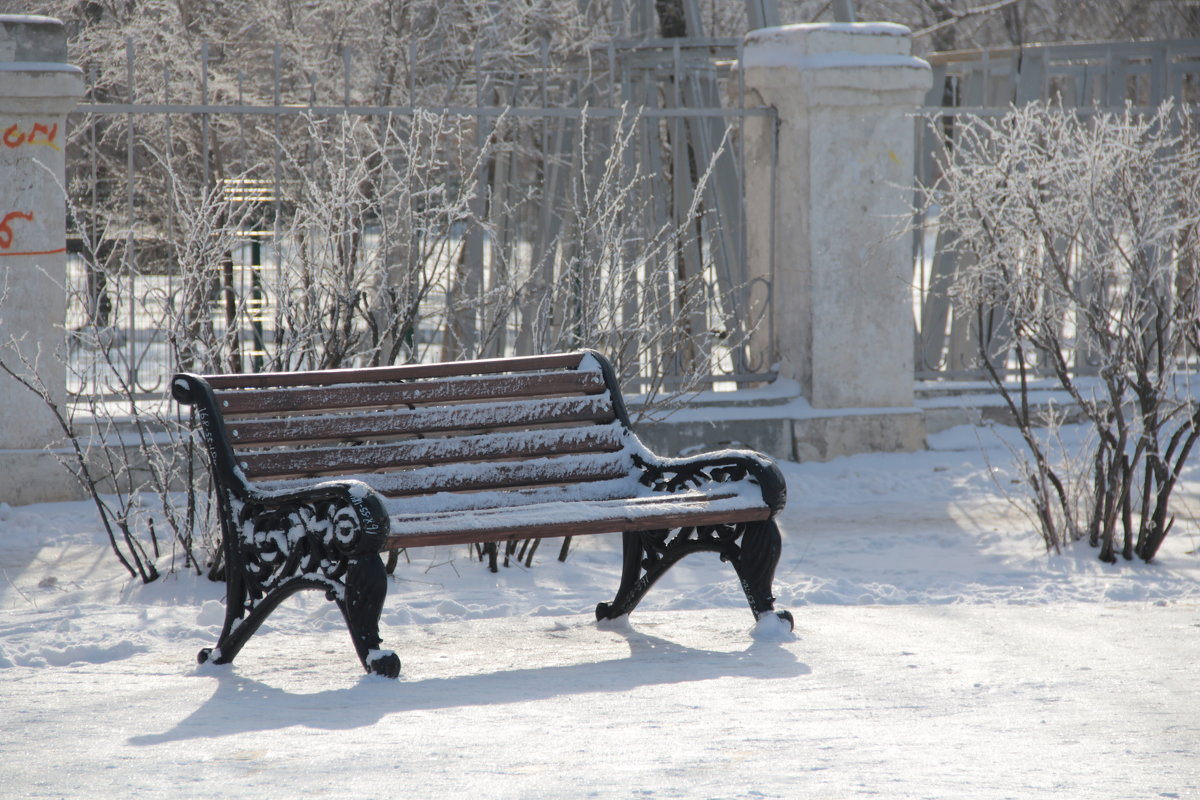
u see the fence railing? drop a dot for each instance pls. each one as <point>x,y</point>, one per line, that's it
<point>267,218</point>
<point>1082,78</point>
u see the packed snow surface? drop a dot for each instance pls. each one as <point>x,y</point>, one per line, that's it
<point>939,652</point>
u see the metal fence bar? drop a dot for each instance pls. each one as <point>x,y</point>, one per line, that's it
<point>532,112</point>
<point>130,242</point>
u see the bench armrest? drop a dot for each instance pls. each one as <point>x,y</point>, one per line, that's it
<point>349,515</point>
<point>718,466</point>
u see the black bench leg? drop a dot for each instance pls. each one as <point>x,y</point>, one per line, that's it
<point>237,628</point>
<point>641,568</point>
<point>755,564</point>
<point>366,589</point>
<point>753,549</point>
<point>244,616</point>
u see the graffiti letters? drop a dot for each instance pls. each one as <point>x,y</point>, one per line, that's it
<point>6,232</point>
<point>38,135</point>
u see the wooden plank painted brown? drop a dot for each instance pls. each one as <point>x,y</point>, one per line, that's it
<point>444,450</point>
<point>423,392</point>
<point>472,417</point>
<point>624,502</point>
<point>404,372</point>
<point>660,519</point>
<point>502,475</point>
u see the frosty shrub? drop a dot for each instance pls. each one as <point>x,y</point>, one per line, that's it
<point>1076,240</point>
<point>397,232</point>
<point>127,464</point>
<point>364,253</point>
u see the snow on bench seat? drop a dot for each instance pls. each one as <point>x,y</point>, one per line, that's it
<point>575,517</point>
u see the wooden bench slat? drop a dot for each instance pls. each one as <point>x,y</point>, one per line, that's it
<point>298,400</point>
<point>571,519</point>
<point>475,416</point>
<point>259,380</point>
<point>419,505</point>
<point>499,474</point>
<point>465,449</point>
<point>564,509</point>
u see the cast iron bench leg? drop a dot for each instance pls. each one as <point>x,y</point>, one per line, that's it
<point>755,564</point>
<point>753,548</point>
<point>366,590</point>
<point>641,567</point>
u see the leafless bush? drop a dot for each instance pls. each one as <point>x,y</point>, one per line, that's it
<point>1078,252</point>
<point>362,256</point>
<point>621,283</point>
<point>366,236</point>
<point>129,465</point>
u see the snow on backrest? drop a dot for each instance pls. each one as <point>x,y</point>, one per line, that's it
<point>501,430</point>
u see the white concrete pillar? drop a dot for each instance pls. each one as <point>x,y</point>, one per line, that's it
<point>845,94</point>
<point>37,90</point>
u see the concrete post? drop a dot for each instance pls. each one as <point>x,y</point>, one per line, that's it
<point>37,90</point>
<point>834,178</point>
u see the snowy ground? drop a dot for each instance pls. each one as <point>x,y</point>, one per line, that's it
<point>939,653</point>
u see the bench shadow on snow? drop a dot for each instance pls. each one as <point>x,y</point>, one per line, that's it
<point>243,705</point>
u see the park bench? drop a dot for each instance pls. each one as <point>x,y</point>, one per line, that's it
<point>317,473</point>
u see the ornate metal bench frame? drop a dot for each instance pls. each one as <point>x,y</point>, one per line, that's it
<point>327,534</point>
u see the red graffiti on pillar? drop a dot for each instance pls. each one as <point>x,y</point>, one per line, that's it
<point>40,134</point>
<point>6,233</point>
<point>7,236</point>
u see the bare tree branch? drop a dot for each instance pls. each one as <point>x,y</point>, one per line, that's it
<point>958,16</point>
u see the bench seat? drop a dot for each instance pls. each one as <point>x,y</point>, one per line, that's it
<point>573,518</point>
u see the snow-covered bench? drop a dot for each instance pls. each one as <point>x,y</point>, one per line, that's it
<point>318,472</point>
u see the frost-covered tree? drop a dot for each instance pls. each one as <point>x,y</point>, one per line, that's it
<point>1079,258</point>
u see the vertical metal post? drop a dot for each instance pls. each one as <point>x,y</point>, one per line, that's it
<point>740,353</point>
<point>256,300</point>
<point>773,222</point>
<point>171,274</point>
<point>276,192</point>
<point>204,120</point>
<point>466,284</point>
<point>689,264</point>
<point>412,74</point>
<point>241,123</point>
<point>94,172</point>
<point>620,19</point>
<point>762,13</point>
<point>97,277</point>
<point>414,243</point>
<point>843,11</point>
<point>130,178</point>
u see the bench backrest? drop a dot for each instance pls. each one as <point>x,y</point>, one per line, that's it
<point>465,426</point>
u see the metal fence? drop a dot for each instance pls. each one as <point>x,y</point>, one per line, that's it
<point>502,213</point>
<point>1084,79</point>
